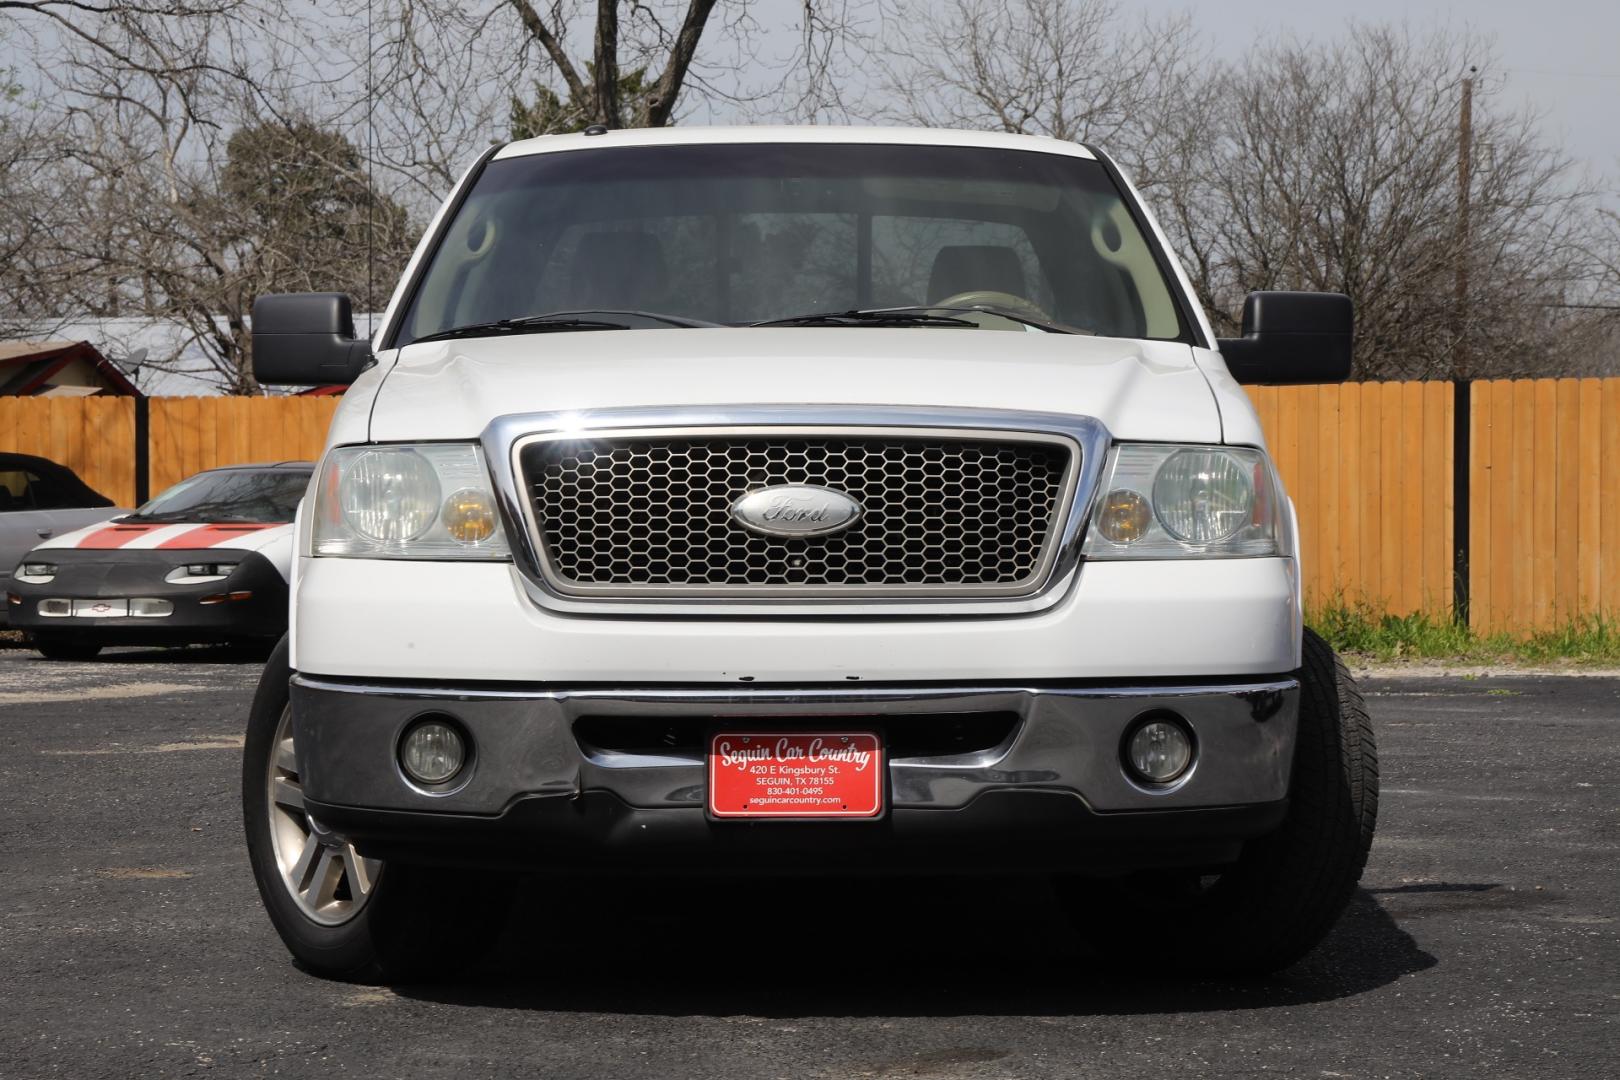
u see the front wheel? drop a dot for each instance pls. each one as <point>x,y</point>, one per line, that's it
<point>60,645</point>
<point>1288,888</point>
<point>340,914</point>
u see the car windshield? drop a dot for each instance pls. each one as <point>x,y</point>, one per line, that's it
<point>264,496</point>
<point>735,235</point>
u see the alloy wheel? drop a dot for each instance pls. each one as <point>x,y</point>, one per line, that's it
<point>328,879</point>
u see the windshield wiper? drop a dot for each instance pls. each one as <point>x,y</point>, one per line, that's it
<point>655,316</point>
<point>869,317</point>
<point>1009,314</point>
<point>562,320</point>
<point>533,324</point>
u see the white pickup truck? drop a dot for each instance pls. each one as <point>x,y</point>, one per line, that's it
<point>799,500</point>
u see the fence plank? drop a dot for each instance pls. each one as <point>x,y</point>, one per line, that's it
<point>1503,511</point>
<point>1328,569</point>
<point>1349,587</point>
<point>1609,571</point>
<point>1371,489</point>
<point>1410,552</point>
<point>1566,523</point>
<point>1544,471</point>
<point>1588,511</point>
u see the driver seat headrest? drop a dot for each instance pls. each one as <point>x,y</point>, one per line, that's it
<point>964,268</point>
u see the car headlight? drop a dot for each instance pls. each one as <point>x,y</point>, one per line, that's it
<point>422,501</point>
<point>36,573</point>
<point>1168,502</point>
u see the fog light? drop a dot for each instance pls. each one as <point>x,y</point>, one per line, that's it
<point>150,608</point>
<point>1159,750</point>
<point>469,516</point>
<point>1124,516</point>
<point>432,752</point>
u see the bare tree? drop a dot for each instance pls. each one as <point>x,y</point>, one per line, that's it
<point>1314,166</point>
<point>463,75</point>
<point>186,179</point>
<point>1336,167</point>
<point>125,193</point>
<point>1071,69</point>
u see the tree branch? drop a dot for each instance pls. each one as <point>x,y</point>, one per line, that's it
<point>538,30</point>
<point>661,102</point>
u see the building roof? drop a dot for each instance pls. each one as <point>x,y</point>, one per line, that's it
<point>27,367</point>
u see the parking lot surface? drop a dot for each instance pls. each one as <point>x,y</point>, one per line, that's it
<point>1483,944</point>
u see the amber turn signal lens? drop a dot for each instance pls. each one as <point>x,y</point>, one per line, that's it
<point>469,516</point>
<point>1124,517</point>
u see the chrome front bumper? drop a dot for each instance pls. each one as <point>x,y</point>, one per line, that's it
<point>541,791</point>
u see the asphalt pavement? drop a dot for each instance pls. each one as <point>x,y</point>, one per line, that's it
<point>1483,944</point>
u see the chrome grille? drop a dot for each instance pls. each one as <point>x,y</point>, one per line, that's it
<point>630,514</point>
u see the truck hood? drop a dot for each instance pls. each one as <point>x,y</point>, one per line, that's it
<point>1138,389</point>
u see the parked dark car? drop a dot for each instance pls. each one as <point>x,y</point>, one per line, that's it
<point>40,499</point>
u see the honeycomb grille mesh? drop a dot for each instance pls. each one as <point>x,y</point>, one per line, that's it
<point>627,512</point>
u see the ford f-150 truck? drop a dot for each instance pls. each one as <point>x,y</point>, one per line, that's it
<point>783,501</point>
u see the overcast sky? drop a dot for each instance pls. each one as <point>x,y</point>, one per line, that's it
<point>1561,55</point>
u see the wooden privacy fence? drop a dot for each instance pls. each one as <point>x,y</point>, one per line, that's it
<point>191,434</point>
<point>1368,466</point>
<point>93,436</point>
<point>107,440</point>
<point>1371,468</point>
<point>1544,484</point>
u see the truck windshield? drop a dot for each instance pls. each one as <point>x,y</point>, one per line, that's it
<point>740,234</point>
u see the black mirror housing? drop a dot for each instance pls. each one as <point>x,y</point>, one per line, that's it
<point>306,339</point>
<point>1292,337</point>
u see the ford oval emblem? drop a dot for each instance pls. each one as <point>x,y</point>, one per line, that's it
<point>796,510</point>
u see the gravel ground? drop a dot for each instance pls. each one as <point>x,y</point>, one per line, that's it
<point>1483,943</point>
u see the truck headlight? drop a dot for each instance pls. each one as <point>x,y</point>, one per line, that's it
<point>387,502</point>
<point>1205,501</point>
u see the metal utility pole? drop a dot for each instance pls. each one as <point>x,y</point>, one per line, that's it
<point>1465,161</point>
<point>1462,408</point>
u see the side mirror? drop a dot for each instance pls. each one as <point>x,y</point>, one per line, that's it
<point>306,339</point>
<point>1292,337</point>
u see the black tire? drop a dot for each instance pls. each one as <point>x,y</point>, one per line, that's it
<point>417,923</point>
<point>62,645</point>
<point>249,650</point>
<point>1288,888</point>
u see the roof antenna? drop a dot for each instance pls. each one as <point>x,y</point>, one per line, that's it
<point>371,179</point>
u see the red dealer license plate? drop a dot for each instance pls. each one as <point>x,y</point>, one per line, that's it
<point>799,775</point>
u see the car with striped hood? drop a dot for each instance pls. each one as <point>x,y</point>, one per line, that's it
<point>206,561</point>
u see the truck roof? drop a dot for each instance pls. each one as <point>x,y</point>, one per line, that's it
<point>890,136</point>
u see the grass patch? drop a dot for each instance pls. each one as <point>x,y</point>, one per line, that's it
<point>1365,633</point>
